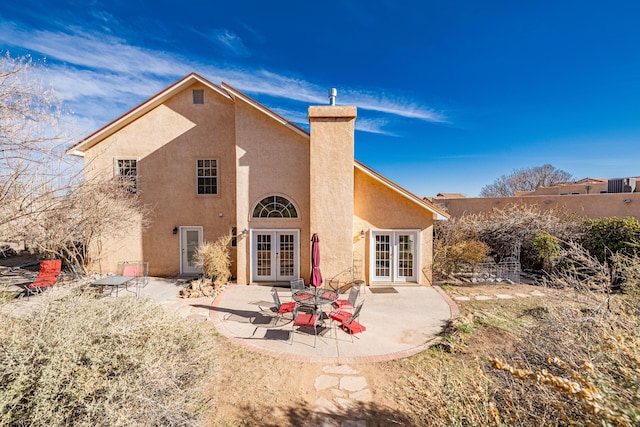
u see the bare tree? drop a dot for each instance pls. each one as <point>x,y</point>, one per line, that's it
<point>44,200</point>
<point>527,179</point>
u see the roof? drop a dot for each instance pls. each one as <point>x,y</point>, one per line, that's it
<point>439,213</point>
<point>133,114</point>
<point>232,94</point>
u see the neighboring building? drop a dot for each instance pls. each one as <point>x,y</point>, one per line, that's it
<point>588,197</point>
<point>212,161</point>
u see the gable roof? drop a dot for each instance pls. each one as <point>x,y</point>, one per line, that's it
<point>439,213</point>
<point>78,148</point>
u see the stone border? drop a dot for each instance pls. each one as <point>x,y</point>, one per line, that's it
<point>332,360</point>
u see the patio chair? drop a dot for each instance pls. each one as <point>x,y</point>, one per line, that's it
<point>349,321</point>
<point>350,302</point>
<point>282,308</point>
<point>297,285</point>
<point>137,269</point>
<point>48,275</point>
<point>306,320</point>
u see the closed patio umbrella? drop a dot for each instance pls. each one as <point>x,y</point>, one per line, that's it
<point>316,275</point>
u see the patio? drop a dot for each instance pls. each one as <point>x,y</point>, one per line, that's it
<point>399,324</point>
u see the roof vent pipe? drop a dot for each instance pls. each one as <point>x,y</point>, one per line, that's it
<point>333,92</point>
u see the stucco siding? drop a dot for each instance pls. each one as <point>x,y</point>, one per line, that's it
<point>379,208</point>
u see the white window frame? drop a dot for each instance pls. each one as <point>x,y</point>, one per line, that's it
<point>394,278</point>
<point>268,218</point>
<point>133,178</point>
<point>215,177</point>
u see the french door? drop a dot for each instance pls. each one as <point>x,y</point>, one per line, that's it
<point>394,256</point>
<point>190,241</point>
<point>275,255</point>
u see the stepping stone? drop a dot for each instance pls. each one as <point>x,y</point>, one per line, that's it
<point>537,294</point>
<point>359,423</point>
<point>352,383</point>
<point>329,422</point>
<point>504,296</point>
<point>362,395</point>
<point>340,370</point>
<point>522,295</point>
<point>324,382</point>
<point>483,297</point>
<point>324,405</point>
<point>197,317</point>
<point>462,298</point>
<point>338,393</point>
<point>346,404</point>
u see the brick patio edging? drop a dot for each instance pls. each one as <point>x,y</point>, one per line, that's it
<point>453,307</point>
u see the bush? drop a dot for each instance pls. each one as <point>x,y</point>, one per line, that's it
<point>84,362</point>
<point>215,259</point>
<point>448,258</point>
<point>548,248</point>
<point>606,236</point>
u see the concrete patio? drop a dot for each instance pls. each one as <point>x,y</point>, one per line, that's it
<point>400,323</point>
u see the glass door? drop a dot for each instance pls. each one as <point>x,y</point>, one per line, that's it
<point>190,241</point>
<point>275,255</point>
<point>394,256</point>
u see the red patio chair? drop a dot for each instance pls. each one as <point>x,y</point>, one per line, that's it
<point>282,308</point>
<point>349,321</point>
<point>48,275</point>
<point>350,302</point>
<point>306,320</point>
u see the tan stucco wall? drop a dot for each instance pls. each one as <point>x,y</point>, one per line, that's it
<point>271,159</point>
<point>379,208</point>
<point>331,185</point>
<point>587,205</point>
<point>167,141</point>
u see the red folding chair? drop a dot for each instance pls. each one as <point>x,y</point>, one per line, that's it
<point>48,275</point>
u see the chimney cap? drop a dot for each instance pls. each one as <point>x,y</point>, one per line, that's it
<point>333,92</point>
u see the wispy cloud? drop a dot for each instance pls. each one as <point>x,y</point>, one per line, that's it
<point>229,41</point>
<point>103,75</point>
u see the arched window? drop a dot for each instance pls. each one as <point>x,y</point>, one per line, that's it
<point>275,207</point>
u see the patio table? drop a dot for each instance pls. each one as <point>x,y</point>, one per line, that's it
<point>113,282</point>
<point>316,298</point>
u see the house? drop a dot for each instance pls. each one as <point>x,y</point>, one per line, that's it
<point>588,197</point>
<point>212,161</point>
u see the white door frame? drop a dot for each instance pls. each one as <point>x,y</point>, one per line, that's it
<point>184,269</point>
<point>394,265</point>
<point>275,247</point>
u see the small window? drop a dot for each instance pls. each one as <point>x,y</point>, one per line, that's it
<point>207,174</point>
<point>234,237</point>
<point>127,171</point>
<point>275,207</point>
<point>198,96</point>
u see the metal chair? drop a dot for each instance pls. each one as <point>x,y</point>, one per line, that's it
<point>297,285</point>
<point>350,302</point>
<point>349,321</point>
<point>137,269</point>
<point>282,308</point>
<point>306,320</point>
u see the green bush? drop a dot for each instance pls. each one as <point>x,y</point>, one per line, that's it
<point>83,361</point>
<point>603,237</point>
<point>548,248</point>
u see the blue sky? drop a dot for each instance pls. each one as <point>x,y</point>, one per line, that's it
<point>450,94</point>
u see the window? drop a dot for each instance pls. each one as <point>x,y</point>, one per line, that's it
<point>207,172</point>
<point>198,96</point>
<point>234,237</point>
<point>275,207</point>
<point>127,171</point>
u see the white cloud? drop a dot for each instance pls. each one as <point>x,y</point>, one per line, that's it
<point>101,76</point>
<point>230,41</point>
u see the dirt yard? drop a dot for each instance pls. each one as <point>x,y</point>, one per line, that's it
<point>255,389</point>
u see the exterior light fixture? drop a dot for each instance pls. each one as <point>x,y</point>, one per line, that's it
<point>175,230</point>
<point>363,234</point>
<point>546,202</point>
<point>626,200</point>
<point>495,202</point>
<point>244,232</point>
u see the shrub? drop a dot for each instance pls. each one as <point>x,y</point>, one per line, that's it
<point>448,258</point>
<point>215,259</point>
<point>606,236</point>
<point>548,248</point>
<point>84,362</point>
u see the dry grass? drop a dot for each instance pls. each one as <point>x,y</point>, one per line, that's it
<point>530,362</point>
<point>85,362</point>
<point>215,259</point>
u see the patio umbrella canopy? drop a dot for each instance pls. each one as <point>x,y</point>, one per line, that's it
<point>316,275</point>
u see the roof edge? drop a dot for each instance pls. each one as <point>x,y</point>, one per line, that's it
<point>235,93</point>
<point>141,109</point>
<point>439,214</point>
